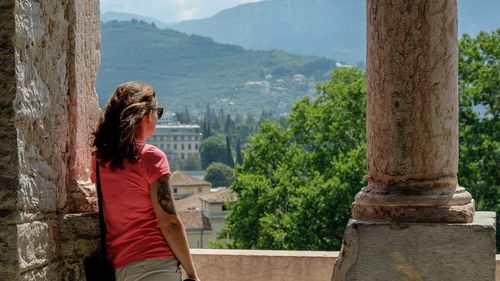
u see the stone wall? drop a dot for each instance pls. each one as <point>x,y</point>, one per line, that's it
<point>48,62</point>
<point>250,265</point>
<point>83,102</point>
<point>9,179</point>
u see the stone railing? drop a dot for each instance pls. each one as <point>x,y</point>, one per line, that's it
<point>79,237</point>
<point>253,265</point>
<point>256,265</point>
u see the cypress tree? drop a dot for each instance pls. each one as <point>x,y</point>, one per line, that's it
<point>239,157</point>
<point>229,156</point>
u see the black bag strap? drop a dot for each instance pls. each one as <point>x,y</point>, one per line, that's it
<point>102,224</point>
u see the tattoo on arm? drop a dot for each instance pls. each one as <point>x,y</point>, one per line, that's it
<point>165,197</point>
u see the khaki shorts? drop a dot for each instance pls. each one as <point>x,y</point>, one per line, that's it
<point>160,269</point>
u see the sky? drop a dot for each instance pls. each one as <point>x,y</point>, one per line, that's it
<point>171,10</point>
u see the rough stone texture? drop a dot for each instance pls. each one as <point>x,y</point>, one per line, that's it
<point>48,62</point>
<point>41,45</point>
<point>36,244</point>
<point>418,251</point>
<point>412,115</point>
<point>8,150</point>
<point>79,237</point>
<point>251,265</point>
<point>50,272</point>
<point>8,247</point>
<point>83,67</point>
<point>40,124</point>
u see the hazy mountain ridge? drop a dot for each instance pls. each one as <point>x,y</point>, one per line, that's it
<point>332,28</point>
<point>120,16</point>
<point>191,71</point>
<point>314,27</point>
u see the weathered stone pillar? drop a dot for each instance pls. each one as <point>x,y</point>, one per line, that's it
<point>413,221</point>
<point>83,65</point>
<point>9,159</point>
<point>48,61</point>
<point>412,115</point>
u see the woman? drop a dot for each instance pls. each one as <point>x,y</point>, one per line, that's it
<point>145,238</point>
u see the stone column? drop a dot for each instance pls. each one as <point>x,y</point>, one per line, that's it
<point>84,40</point>
<point>413,221</point>
<point>412,115</point>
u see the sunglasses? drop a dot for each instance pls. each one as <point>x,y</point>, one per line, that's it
<point>159,110</point>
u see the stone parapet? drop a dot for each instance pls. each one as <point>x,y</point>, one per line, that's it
<point>251,265</point>
<point>497,271</point>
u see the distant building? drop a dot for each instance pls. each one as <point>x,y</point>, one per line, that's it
<point>299,82</point>
<point>184,185</point>
<point>198,228</point>
<point>203,215</point>
<point>281,83</point>
<point>340,65</point>
<point>178,141</point>
<point>168,118</point>
<point>256,87</point>
<point>213,207</point>
<point>298,78</point>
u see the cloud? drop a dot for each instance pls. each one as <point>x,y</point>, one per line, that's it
<point>171,10</point>
<point>188,14</point>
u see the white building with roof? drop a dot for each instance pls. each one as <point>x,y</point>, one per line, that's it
<point>203,215</point>
<point>256,87</point>
<point>177,141</point>
<point>184,185</point>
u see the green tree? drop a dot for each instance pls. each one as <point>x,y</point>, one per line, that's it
<point>212,149</point>
<point>219,174</point>
<point>297,182</point>
<point>214,121</point>
<point>479,88</point>
<point>183,117</point>
<point>229,126</point>
<point>239,157</point>
<point>229,154</point>
<point>192,163</point>
<point>207,131</point>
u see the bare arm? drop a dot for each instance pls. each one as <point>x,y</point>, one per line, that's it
<point>170,224</point>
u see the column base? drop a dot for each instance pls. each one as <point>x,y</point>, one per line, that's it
<point>453,205</point>
<point>375,251</point>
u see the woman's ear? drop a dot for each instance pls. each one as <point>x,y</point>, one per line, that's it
<point>148,118</point>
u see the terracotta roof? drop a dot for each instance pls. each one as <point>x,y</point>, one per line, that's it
<point>182,179</point>
<point>189,203</point>
<point>219,195</point>
<point>194,220</point>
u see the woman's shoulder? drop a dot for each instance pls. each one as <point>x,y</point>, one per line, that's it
<point>154,162</point>
<point>150,150</point>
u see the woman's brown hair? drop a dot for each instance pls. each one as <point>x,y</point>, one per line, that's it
<point>113,138</point>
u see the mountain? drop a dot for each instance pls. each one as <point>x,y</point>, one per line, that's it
<point>191,71</point>
<point>119,16</point>
<point>331,28</point>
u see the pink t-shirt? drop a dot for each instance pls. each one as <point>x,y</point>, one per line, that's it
<point>132,230</point>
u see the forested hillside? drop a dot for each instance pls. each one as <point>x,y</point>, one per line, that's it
<point>193,71</point>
